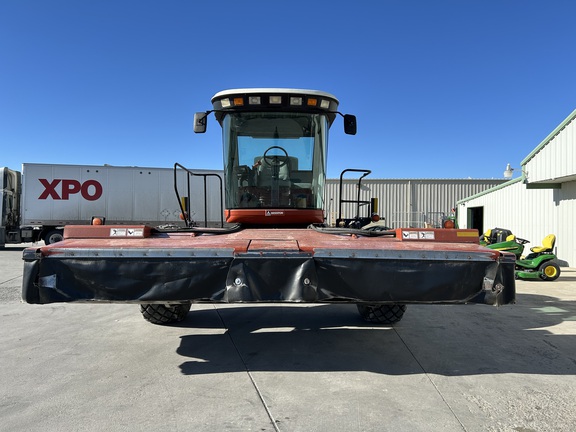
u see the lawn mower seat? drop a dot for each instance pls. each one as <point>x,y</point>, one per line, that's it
<point>547,244</point>
<point>498,235</point>
<point>486,236</point>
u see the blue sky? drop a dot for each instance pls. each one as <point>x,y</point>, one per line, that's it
<point>441,88</point>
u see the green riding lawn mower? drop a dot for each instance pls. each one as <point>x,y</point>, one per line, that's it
<point>539,264</point>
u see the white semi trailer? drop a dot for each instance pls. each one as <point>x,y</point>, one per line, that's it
<point>39,201</point>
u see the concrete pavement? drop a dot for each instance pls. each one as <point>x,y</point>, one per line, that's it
<point>78,367</point>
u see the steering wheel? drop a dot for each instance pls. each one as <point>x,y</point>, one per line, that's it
<point>276,160</point>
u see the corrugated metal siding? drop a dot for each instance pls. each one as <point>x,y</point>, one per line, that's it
<point>531,214</point>
<point>534,213</point>
<point>566,233</point>
<point>403,201</point>
<point>555,157</point>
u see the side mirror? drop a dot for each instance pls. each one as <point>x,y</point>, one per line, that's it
<point>200,121</point>
<point>350,124</point>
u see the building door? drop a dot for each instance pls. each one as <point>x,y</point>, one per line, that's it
<point>475,218</point>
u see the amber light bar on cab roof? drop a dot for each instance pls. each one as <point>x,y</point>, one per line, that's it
<point>275,98</point>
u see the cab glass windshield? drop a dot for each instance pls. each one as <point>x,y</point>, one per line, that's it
<point>274,160</point>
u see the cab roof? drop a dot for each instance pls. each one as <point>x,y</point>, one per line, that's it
<point>272,91</point>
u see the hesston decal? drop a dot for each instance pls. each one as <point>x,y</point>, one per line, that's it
<point>90,190</point>
<point>274,213</point>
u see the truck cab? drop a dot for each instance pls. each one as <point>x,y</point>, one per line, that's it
<point>10,183</point>
<point>275,148</point>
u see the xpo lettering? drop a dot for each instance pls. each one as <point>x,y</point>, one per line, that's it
<point>90,190</point>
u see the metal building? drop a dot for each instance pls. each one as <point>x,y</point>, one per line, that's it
<point>403,202</point>
<point>541,201</point>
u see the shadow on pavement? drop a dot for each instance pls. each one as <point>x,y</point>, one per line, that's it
<point>451,340</point>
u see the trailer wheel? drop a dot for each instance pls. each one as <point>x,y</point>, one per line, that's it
<point>53,236</point>
<point>164,313</point>
<point>549,271</point>
<point>382,314</point>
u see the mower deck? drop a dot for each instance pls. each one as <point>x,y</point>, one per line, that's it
<point>140,265</point>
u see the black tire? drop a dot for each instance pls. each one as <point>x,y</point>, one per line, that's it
<point>164,313</point>
<point>54,236</point>
<point>549,271</point>
<point>382,314</point>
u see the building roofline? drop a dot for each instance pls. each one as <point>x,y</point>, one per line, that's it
<point>492,189</point>
<point>549,138</point>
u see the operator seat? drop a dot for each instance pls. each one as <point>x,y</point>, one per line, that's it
<point>547,244</point>
<point>265,172</point>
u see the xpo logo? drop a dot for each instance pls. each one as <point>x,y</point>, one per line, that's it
<point>90,190</point>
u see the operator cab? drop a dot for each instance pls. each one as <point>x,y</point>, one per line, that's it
<point>275,148</point>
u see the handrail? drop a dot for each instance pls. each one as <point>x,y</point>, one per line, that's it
<point>357,201</point>
<point>186,211</point>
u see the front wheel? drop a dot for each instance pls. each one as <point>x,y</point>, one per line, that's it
<point>164,313</point>
<point>549,271</point>
<point>382,314</point>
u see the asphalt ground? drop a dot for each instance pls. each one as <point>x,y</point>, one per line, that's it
<point>79,367</point>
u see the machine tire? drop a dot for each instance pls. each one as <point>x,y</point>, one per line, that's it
<point>164,313</point>
<point>549,271</point>
<point>382,314</point>
<point>53,236</point>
